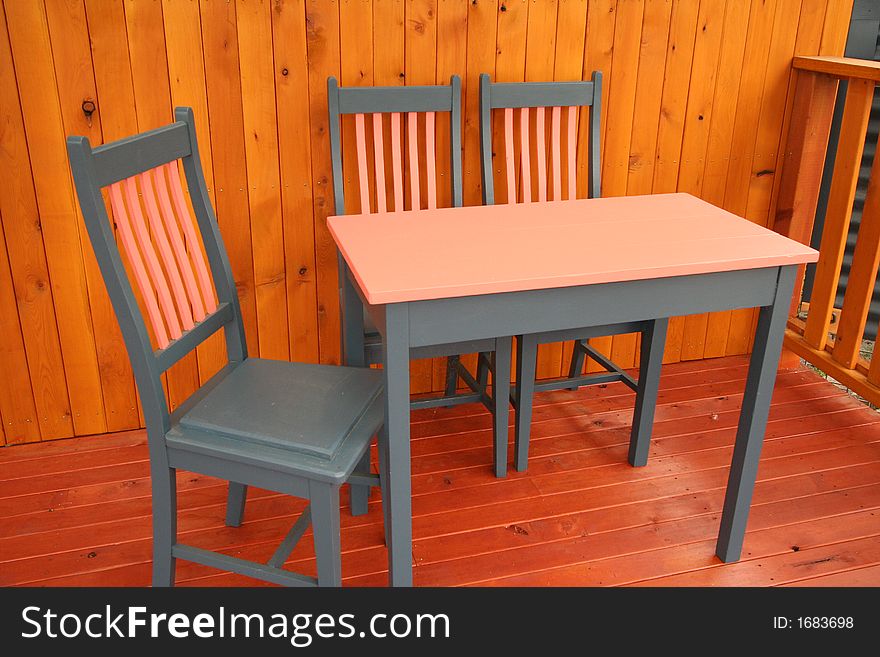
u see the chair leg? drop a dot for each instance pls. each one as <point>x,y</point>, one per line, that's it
<point>235,501</point>
<point>526,362</point>
<point>324,500</point>
<point>164,481</point>
<point>451,375</point>
<point>501,403</point>
<point>651,359</point>
<point>360,495</point>
<point>577,362</point>
<point>483,371</point>
<point>383,468</point>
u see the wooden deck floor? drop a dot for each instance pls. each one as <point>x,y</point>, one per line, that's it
<point>76,512</point>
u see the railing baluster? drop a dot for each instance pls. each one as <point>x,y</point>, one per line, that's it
<point>862,276</point>
<point>859,97</point>
<point>874,372</point>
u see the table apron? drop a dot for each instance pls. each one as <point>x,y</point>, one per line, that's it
<point>557,309</point>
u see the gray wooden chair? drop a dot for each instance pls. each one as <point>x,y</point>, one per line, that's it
<point>381,188</point>
<point>530,180</point>
<point>295,428</point>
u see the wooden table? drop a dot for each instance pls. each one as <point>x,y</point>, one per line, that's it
<point>455,275</point>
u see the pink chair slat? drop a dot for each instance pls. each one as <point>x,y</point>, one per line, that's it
<point>508,155</point>
<point>412,132</point>
<point>379,157</point>
<point>129,243</point>
<point>541,151</point>
<point>363,182</point>
<point>396,161</point>
<point>152,261</point>
<point>572,152</point>
<point>430,163</point>
<point>524,155</point>
<point>178,245</point>
<point>556,150</point>
<point>189,232</point>
<point>157,226</point>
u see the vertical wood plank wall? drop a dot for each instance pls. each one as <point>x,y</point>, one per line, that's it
<point>696,96</point>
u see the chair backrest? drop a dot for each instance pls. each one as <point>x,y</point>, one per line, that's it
<point>186,299</point>
<point>534,99</point>
<point>395,101</point>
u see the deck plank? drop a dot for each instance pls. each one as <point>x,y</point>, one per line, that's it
<point>867,576</point>
<point>76,512</point>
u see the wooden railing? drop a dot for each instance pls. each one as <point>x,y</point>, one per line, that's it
<point>816,89</point>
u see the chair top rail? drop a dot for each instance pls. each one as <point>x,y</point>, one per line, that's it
<point>840,67</point>
<point>133,155</point>
<point>540,94</point>
<point>369,100</point>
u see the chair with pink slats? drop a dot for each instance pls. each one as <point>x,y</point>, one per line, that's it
<point>295,428</point>
<point>535,111</point>
<point>395,133</point>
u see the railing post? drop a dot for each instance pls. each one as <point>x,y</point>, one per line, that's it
<point>808,134</point>
<point>806,146</point>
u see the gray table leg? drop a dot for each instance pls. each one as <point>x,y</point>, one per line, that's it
<point>526,362</point>
<point>650,361</point>
<point>398,486</point>
<point>501,403</point>
<point>753,418</point>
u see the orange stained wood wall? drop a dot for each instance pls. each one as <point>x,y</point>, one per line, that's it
<point>696,96</point>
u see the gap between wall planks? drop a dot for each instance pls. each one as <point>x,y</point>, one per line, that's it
<point>698,120</point>
<point>677,79</point>
<point>541,34</point>
<point>696,98</point>
<point>420,67</point>
<point>452,21</point>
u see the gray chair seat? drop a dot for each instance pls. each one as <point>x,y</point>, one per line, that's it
<point>294,417</point>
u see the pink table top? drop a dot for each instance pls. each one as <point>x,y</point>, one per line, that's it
<point>455,252</point>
